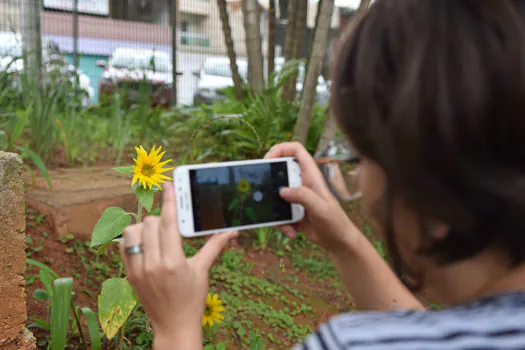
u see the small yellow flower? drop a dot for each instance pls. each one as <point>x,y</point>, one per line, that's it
<point>212,313</point>
<point>243,186</point>
<point>148,169</point>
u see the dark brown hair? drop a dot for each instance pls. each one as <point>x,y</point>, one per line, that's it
<point>434,92</point>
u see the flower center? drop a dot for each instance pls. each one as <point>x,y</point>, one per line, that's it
<point>208,311</point>
<point>148,169</point>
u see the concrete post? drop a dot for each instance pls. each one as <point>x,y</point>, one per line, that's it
<point>31,29</point>
<point>13,314</point>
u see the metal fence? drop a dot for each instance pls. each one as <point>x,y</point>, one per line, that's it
<point>103,28</point>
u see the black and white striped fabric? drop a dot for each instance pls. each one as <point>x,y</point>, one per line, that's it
<point>496,322</point>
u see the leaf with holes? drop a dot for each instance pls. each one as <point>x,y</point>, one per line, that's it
<point>115,303</point>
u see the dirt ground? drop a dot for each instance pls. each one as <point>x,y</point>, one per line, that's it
<point>302,277</point>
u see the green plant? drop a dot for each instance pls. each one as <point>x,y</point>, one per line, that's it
<point>117,294</point>
<point>59,292</point>
<point>232,129</point>
<point>257,343</point>
<point>11,142</point>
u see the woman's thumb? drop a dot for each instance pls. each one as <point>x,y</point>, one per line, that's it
<point>213,248</point>
<point>300,195</point>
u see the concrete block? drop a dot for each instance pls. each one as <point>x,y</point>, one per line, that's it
<point>79,197</point>
<point>13,313</point>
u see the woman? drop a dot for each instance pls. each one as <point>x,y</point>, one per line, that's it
<point>431,94</point>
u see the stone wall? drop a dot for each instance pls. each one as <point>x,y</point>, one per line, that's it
<point>13,312</point>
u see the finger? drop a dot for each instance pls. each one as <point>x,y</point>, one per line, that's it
<point>211,250</point>
<point>288,230</point>
<point>132,263</point>
<point>170,239</point>
<point>292,149</point>
<point>303,196</point>
<point>306,162</point>
<point>151,243</point>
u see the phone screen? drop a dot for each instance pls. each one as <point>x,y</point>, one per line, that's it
<point>233,196</point>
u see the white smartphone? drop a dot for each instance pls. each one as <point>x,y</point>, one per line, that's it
<point>243,195</point>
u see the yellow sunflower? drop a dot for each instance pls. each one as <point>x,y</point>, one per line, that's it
<point>243,186</point>
<point>148,169</point>
<point>212,313</point>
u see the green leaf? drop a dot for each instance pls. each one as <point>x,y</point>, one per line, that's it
<point>41,295</point>
<point>111,224</point>
<point>101,250</point>
<point>156,211</point>
<point>115,303</point>
<point>94,330</point>
<point>146,197</point>
<point>47,281</point>
<point>251,214</point>
<point>40,323</point>
<point>126,170</point>
<point>3,140</point>
<point>60,305</point>
<point>379,248</point>
<point>234,203</point>
<point>209,347</point>
<point>221,346</point>
<point>42,266</point>
<point>35,158</point>
<point>19,127</point>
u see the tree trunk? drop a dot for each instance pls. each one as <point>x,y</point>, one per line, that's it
<point>330,127</point>
<point>271,37</point>
<point>319,47</point>
<point>252,28</point>
<point>290,29</point>
<point>316,25</point>
<point>298,38</point>
<point>32,37</point>
<point>230,48</point>
<point>329,131</point>
<point>363,6</point>
<point>289,36</point>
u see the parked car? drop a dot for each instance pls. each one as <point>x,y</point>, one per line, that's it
<point>323,88</point>
<point>214,76</point>
<point>136,71</point>
<point>55,64</point>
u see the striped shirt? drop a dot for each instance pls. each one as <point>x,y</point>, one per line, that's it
<point>496,322</point>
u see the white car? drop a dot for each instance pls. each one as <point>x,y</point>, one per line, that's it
<point>214,76</point>
<point>130,70</point>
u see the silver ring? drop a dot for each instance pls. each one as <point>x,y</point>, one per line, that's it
<point>134,249</point>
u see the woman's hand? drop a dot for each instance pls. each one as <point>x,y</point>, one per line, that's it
<point>325,222</point>
<point>171,288</point>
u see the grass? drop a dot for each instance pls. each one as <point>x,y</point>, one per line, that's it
<point>282,298</point>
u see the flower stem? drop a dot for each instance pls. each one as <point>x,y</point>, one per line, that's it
<point>139,213</point>
<point>135,216</point>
